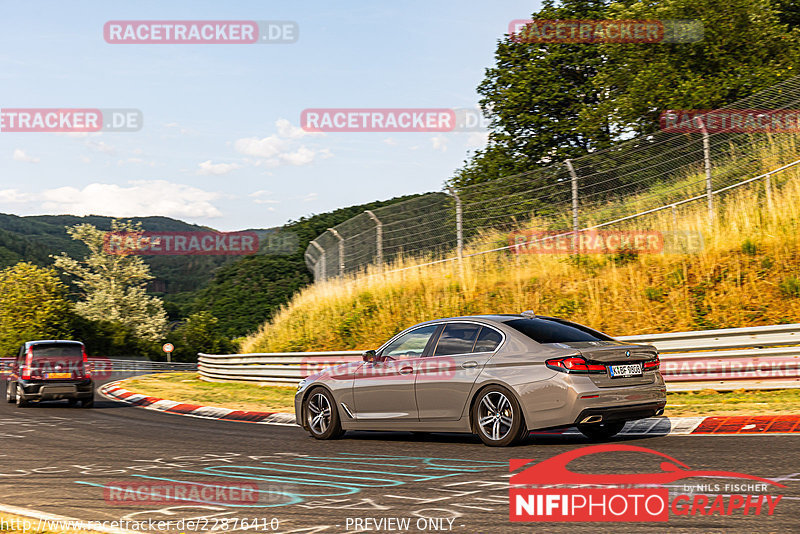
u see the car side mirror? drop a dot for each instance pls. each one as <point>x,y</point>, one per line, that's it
<point>369,356</point>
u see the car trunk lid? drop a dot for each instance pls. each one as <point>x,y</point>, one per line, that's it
<point>619,359</point>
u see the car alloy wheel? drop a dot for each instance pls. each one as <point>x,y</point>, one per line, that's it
<point>322,417</point>
<point>497,417</point>
<point>20,398</point>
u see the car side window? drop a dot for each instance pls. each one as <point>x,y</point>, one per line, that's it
<point>488,340</point>
<point>457,338</point>
<point>410,345</point>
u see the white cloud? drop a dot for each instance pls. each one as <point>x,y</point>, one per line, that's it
<point>86,159</point>
<point>267,147</point>
<point>216,169</point>
<point>389,141</point>
<point>478,139</point>
<point>100,146</point>
<point>302,156</point>
<point>20,155</point>
<point>280,148</point>
<point>285,129</point>
<point>13,196</point>
<point>140,198</point>
<point>310,197</point>
<point>258,197</point>
<point>439,142</point>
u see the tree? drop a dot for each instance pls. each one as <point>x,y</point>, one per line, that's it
<point>549,102</point>
<point>746,47</point>
<point>34,306</point>
<point>535,96</point>
<point>198,334</point>
<point>112,286</point>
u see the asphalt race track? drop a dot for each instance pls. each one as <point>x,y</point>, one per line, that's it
<point>62,460</point>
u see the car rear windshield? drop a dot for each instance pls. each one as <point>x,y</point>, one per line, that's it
<point>554,331</point>
<point>57,350</point>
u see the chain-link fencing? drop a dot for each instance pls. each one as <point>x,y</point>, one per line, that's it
<point>695,157</point>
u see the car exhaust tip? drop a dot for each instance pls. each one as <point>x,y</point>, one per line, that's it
<point>660,411</point>
<point>592,419</point>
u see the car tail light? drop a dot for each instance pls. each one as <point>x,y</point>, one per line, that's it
<point>652,365</point>
<point>25,372</point>
<point>576,365</point>
<point>87,371</point>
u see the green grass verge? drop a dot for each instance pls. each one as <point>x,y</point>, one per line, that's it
<point>188,388</point>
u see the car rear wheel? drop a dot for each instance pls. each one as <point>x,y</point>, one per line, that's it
<point>20,397</point>
<point>10,392</point>
<point>497,417</point>
<point>322,417</point>
<point>601,431</point>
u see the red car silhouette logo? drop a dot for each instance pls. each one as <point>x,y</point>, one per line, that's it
<point>554,470</point>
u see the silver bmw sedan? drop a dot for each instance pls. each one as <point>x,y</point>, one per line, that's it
<point>499,376</point>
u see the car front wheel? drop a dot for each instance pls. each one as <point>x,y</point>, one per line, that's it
<point>498,418</point>
<point>322,417</point>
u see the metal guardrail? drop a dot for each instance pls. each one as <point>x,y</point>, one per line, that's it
<point>106,364</point>
<point>761,357</point>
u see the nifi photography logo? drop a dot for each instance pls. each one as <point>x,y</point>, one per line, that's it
<point>548,491</point>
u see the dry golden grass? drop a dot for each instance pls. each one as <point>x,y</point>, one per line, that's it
<point>747,274</point>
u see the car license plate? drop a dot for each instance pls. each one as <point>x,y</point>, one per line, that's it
<point>59,375</point>
<point>621,371</point>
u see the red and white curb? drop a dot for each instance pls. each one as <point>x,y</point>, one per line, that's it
<point>113,391</point>
<point>658,426</point>
<point>699,426</point>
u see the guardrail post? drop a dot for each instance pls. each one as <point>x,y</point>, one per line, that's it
<point>378,237</point>
<point>575,223</point>
<point>341,250</point>
<point>459,224</point>
<point>322,259</point>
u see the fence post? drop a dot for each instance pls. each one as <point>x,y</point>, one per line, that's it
<point>378,237</point>
<point>341,250</point>
<point>459,224</point>
<point>322,259</point>
<point>707,161</point>
<point>575,223</point>
<point>768,191</point>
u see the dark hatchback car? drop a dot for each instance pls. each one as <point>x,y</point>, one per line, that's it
<point>50,370</point>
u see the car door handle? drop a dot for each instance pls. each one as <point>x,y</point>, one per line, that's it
<point>469,365</point>
<point>406,370</point>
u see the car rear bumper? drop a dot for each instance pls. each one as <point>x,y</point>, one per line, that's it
<point>564,399</point>
<point>34,390</point>
<point>620,413</point>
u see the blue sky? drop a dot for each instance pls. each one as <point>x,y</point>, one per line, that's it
<point>220,145</point>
